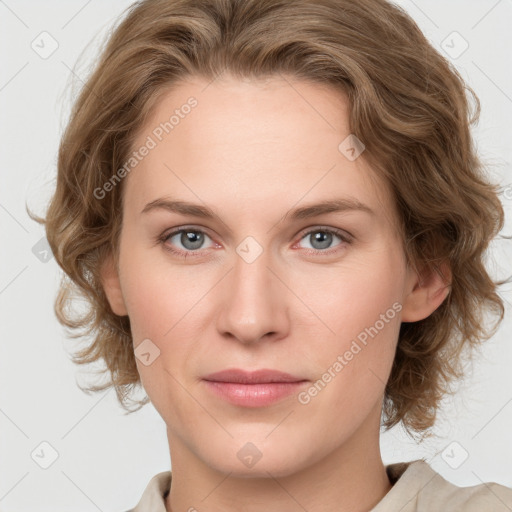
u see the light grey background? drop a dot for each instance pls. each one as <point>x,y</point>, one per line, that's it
<point>106,458</point>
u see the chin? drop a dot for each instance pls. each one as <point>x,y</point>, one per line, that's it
<point>261,469</point>
<point>248,459</point>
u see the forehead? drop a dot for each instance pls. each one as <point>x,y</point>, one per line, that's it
<point>246,142</point>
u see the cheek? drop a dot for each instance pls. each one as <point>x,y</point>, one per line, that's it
<point>158,313</point>
<point>157,293</point>
<point>148,307</point>
<point>355,326</point>
<point>345,300</point>
<point>164,305</point>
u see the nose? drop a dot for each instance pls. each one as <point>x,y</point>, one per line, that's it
<point>254,303</point>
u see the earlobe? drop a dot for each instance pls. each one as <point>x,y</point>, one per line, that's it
<point>426,293</point>
<point>112,286</point>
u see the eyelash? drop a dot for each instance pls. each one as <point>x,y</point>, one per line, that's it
<point>345,238</point>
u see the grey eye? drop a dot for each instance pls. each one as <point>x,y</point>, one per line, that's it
<point>189,239</point>
<point>321,239</point>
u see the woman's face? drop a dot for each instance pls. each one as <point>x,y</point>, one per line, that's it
<point>267,281</point>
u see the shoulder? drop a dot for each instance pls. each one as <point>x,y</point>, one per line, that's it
<point>419,488</point>
<point>153,497</point>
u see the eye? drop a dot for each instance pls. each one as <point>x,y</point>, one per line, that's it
<point>187,240</point>
<point>322,238</point>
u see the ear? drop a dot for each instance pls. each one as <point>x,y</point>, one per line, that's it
<point>425,292</point>
<point>112,286</point>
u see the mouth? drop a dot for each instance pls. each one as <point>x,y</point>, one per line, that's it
<point>253,389</point>
<point>263,376</point>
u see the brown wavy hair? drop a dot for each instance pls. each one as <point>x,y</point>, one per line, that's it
<point>408,104</point>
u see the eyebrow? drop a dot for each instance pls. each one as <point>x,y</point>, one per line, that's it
<point>304,212</point>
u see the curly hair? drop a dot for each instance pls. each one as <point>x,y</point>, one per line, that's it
<point>407,103</point>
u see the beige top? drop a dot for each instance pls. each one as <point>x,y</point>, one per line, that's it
<point>416,488</point>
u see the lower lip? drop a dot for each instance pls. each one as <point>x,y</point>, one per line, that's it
<point>253,395</point>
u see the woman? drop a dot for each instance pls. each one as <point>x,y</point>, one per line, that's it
<point>277,215</point>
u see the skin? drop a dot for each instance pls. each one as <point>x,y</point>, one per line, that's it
<point>252,151</point>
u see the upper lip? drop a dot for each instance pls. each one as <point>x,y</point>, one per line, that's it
<point>252,377</point>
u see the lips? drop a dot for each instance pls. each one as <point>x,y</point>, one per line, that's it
<point>258,388</point>
<point>262,376</point>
